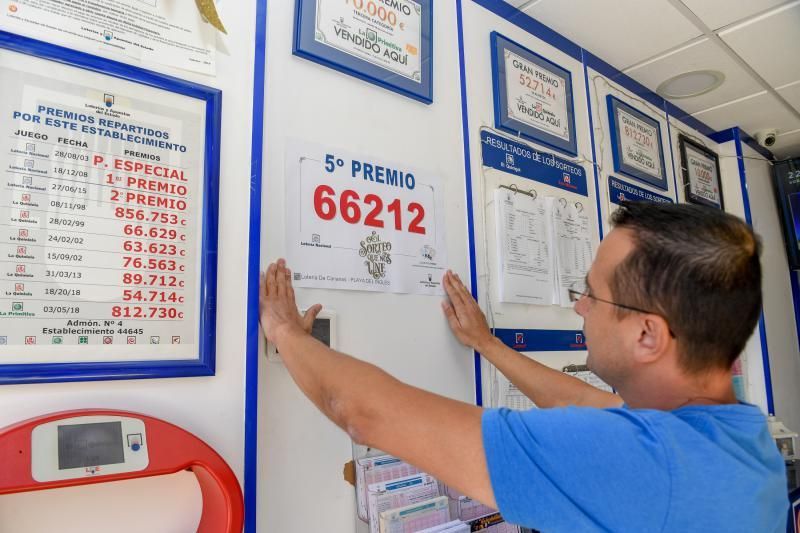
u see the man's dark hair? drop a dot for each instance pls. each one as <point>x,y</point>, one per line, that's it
<point>699,268</point>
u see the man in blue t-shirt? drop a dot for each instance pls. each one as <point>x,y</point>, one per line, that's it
<point>668,304</point>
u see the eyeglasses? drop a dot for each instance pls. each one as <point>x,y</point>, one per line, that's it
<point>575,295</point>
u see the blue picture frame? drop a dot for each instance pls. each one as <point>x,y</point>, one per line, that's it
<point>503,121</point>
<point>306,46</point>
<point>615,104</point>
<point>204,364</point>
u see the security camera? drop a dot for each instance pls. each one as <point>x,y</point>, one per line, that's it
<point>766,138</point>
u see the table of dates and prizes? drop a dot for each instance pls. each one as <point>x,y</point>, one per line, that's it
<point>100,247</point>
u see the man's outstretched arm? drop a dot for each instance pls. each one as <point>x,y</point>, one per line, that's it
<point>438,435</point>
<point>545,386</point>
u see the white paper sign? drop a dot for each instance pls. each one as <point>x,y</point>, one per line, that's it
<point>386,34</point>
<point>100,217</point>
<point>639,144</point>
<point>523,240</point>
<point>573,247</point>
<point>703,177</point>
<point>358,223</point>
<point>158,31</point>
<point>536,96</point>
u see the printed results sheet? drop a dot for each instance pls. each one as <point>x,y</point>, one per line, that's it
<point>523,237</point>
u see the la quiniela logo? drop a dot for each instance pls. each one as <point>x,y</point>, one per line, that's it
<point>376,254</point>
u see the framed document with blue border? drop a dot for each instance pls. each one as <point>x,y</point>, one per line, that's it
<point>108,221</point>
<point>636,144</point>
<point>701,176</point>
<point>532,96</point>
<point>386,43</point>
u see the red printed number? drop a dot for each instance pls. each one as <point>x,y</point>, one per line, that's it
<point>349,208</point>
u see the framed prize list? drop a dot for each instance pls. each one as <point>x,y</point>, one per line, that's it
<point>108,222</point>
<point>385,43</point>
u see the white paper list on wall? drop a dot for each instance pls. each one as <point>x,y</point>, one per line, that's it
<point>544,247</point>
<point>524,254</point>
<point>573,247</point>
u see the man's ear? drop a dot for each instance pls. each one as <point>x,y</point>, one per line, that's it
<point>653,340</point>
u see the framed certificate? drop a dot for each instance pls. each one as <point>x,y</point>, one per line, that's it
<point>701,177</point>
<point>385,43</point>
<point>636,144</point>
<point>532,96</point>
<point>108,222</point>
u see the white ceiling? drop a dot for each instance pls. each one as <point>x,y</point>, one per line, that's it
<point>754,43</point>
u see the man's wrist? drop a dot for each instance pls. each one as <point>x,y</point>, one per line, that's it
<point>285,332</point>
<point>485,345</point>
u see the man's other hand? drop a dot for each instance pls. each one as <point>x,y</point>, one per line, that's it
<point>278,310</point>
<point>463,314</point>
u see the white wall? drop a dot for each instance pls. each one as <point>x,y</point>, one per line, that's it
<point>478,25</point>
<point>210,407</point>
<point>301,454</point>
<point>779,317</point>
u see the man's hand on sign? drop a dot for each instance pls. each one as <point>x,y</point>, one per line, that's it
<point>278,310</point>
<point>465,317</point>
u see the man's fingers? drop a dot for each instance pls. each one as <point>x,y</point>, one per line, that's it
<point>311,315</point>
<point>262,290</point>
<point>452,317</point>
<point>281,279</point>
<point>270,279</point>
<point>453,292</point>
<point>290,287</point>
<point>466,296</point>
<point>460,284</point>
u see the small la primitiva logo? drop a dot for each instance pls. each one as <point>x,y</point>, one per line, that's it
<point>376,254</point>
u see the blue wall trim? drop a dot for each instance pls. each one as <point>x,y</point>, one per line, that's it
<point>473,274</point>
<point>762,326</point>
<point>253,271</point>
<point>796,302</point>
<point>731,133</point>
<point>723,136</point>
<point>532,26</point>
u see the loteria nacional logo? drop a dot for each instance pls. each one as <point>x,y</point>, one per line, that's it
<point>376,254</point>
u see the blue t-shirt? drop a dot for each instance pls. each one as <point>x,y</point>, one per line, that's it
<point>698,468</point>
